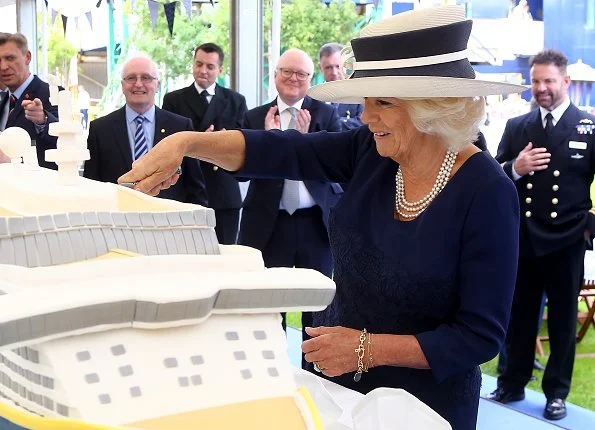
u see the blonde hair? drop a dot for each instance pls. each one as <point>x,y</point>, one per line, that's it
<point>455,120</point>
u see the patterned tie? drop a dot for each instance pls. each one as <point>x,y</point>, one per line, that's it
<point>291,188</point>
<point>549,123</point>
<point>4,96</point>
<point>11,104</point>
<point>140,140</point>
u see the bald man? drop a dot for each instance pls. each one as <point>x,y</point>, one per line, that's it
<point>118,139</point>
<point>290,231</point>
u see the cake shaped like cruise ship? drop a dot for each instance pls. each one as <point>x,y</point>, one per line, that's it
<point>121,310</point>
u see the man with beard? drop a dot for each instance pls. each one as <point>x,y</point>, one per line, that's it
<point>550,154</point>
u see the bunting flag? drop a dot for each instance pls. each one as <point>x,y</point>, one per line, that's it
<point>89,16</point>
<point>46,3</point>
<point>170,15</point>
<point>53,15</point>
<point>64,21</point>
<point>188,7</point>
<point>76,22</point>
<point>153,11</point>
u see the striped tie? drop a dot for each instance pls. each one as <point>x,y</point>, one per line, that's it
<point>140,140</point>
<point>12,102</point>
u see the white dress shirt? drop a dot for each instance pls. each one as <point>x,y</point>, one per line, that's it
<point>306,200</point>
<point>210,90</point>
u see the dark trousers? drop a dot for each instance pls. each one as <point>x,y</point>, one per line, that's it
<point>227,225</point>
<point>300,240</point>
<point>502,358</point>
<point>560,274</point>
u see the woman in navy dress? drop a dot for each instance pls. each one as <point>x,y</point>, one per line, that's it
<point>425,237</point>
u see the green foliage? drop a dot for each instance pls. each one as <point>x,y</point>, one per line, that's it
<point>60,51</point>
<point>174,53</point>
<point>305,24</point>
<point>309,24</point>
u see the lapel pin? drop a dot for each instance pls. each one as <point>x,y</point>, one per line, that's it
<point>585,121</point>
<point>162,130</point>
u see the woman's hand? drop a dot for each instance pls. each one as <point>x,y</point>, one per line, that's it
<point>156,170</point>
<point>332,349</point>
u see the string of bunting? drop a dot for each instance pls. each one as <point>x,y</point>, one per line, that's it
<point>170,12</point>
<point>153,5</point>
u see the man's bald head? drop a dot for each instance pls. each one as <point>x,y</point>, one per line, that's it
<point>293,75</point>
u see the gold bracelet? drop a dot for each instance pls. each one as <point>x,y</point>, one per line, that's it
<point>360,351</point>
<point>368,363</point>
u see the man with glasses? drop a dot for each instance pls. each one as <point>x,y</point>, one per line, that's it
<point>116,140</point>
<point>212,107</point>
<point>329,60</point>
<point>27,104</point>
<point>287,220</point>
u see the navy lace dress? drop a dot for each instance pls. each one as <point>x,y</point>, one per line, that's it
<point>446,277</point>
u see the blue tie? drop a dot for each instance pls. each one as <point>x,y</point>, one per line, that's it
<point>140,140</point>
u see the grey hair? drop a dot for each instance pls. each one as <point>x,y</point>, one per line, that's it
<point>329,49</point>
<point>137,56</point>
<point>455,120</point>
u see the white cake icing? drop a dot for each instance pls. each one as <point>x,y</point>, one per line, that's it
<point>38,192</point>
<point>155,339</point>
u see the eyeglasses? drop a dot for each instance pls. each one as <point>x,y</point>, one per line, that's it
<point>288,73</point>
<point>145,79</point>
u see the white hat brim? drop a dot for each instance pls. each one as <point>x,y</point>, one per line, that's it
<point>419,87</point>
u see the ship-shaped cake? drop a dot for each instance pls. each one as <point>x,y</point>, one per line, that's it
<point>122,310</point>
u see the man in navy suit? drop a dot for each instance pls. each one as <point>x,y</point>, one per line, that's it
<point>291,232</point>
<point>27,105</point>
<point>118,139</point>
<point>329,61</point>
<point>550,154</point>
<point>212,107</point>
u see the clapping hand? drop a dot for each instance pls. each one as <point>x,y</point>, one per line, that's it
<point>272,120</point>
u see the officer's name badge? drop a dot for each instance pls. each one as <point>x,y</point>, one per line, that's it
<point>573,144</point>
<point>585,126</point>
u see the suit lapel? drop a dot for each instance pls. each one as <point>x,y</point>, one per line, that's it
<point>121,136</point>
<point>534,129</point>
<point>212,115</point>
<point>191,98</point>
<point>161,126</point>
<point>565,126</point>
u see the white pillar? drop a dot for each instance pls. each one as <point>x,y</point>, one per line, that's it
<point>275,48</point>
<point>246,47</point>
<point>27,24</point>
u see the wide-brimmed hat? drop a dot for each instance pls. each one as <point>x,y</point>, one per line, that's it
<point>416,54</point>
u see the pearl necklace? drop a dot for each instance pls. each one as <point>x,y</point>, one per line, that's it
<point>408,209</point>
